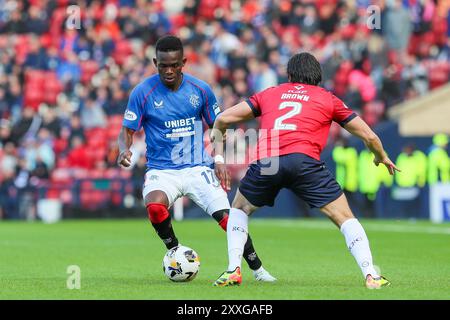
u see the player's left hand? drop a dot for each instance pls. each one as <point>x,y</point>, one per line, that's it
<point>388,163</point>
<point>220,169</point>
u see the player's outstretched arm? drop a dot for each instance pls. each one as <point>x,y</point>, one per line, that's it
<point>125,140</point>
<point>359,128</point>
<point>237,113</point>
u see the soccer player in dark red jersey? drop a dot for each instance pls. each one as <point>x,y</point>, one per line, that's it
<point>295,118</point>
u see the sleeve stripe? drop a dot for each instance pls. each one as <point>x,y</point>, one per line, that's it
<point>348,119</point>
<point>148,93</point>
<point>140,121</point>
<point>256,112</point>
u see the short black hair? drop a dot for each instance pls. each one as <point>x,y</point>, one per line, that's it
<point>304,68</point>
<point>169,43</point>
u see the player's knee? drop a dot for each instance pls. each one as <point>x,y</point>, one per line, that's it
<point>157,212</point>
<point>247,208</point>
<point>241,203</point>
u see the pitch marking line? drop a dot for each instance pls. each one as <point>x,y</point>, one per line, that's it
<point>378,227</point>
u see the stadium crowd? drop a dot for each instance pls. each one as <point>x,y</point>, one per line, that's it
<point>64,86</point>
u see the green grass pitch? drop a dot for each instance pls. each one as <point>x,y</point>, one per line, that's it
<point>122,259</point>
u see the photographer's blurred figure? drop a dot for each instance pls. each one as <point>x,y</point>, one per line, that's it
<point>438,160</point>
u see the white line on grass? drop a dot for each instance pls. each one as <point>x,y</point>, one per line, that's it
<point>327,225</point>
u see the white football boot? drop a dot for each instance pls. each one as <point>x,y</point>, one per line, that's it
<point>262,274</point>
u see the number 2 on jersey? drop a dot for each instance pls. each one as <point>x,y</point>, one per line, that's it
<point>297,108</point>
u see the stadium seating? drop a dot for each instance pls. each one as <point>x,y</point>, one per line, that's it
<point>275,30</point>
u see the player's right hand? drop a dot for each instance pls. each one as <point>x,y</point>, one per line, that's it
<point>388,163</point>
<point>220,169</point>
<point>124,158</point>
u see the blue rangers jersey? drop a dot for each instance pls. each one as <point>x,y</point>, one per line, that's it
<point>172,121</point>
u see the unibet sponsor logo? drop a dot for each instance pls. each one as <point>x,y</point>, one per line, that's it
<point>180,127</point>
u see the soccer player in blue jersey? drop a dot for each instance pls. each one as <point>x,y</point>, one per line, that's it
<point>170,107</point>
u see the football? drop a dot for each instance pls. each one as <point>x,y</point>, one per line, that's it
<point>181,264</point>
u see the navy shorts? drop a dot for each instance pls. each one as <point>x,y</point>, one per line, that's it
<point>308,178</point>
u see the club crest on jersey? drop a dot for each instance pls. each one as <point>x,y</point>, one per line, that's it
<point>130,115</point>
<point>194,100</point>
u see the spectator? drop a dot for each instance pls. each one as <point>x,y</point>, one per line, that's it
<point>266,77</point>
<point>38,148</point>
<point>415,76</point>
<point>397,26</point>
<point>28,125</point>
<point>78,156</point>
<point>5,132</point>
<point>4,106</point>
<point>16,23</point>
<point>37,20</point>
<point>309,21</point>
<point>76,130</point>
<point>9,160</point>
<point>138,172</point>
<point>37,56</point>
<point>9,196</point>
<point>92,115</point>
<point>69,70</point>
<point>438,160</point>
<point>51,122</point>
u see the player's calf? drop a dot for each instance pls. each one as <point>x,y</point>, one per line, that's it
<point>160,218</point>
<point>250,255</point>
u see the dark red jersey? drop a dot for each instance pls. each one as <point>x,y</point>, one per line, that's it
<point>296,118</point>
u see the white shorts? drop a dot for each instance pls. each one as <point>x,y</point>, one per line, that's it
<point>200,184</point>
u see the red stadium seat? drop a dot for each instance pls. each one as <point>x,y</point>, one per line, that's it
<point>4,41</point>
<point>80,173</point>
<point>122,51</point>
<point>21,48</point>
<point>116,198</point>
<point>56,23</point>
<point>95,174</point>
<point>438,72</point>
<point>88,69</point>
<point>116,185</point>
<point>115,120</point>
<point>33,96</point>
<point>53,193</point>
<point>86,185</point>
<point>36,77</point>
<point>126,174</point>
<point>66,196</point>
<point>61,175</point>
